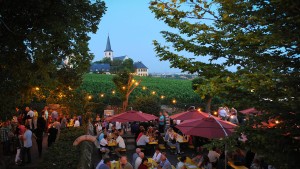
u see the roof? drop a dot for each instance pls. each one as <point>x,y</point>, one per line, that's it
<point>99,67</point>
<point>120,58</point>
<point>139,65</point>
<point>108,47</point>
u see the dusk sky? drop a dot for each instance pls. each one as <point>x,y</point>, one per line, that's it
<point>132,28</point>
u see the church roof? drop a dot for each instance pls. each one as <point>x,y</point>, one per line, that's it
<point>120,58</point>
<point>139,65</point>
<point>108,47</point>
<point>95,67</point>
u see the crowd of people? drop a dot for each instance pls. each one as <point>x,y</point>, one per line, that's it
<point>28,124</point>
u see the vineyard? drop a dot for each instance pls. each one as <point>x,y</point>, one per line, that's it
<point>168,91</point>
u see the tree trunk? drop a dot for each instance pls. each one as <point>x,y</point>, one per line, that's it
<point>208,104</point>
<point>125,104</point>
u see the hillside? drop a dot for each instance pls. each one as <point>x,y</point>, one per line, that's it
<point>181,90</point>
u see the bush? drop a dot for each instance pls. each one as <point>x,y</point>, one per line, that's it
<point>63,154</point>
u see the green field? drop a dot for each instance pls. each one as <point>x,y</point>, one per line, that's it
<point>180,90</point>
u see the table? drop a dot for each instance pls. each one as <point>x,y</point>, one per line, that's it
<point>231,164</point>
<point>112,143</point>
<point>114,164</point>
<point>189,163</point>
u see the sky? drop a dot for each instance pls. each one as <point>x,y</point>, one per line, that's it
<point>132,28</point>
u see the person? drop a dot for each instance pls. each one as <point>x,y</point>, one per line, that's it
<point>135,155</point>
<point>124,164</point>
<point>4,138</point>
<point>172,141</point>
<point>54,114</point>
<point>205,164</point>
<point>39,132</point>
<point>27,144</point>
<point>161,122</point>
<point>164,162</point>
<point>157,155</point>
<point>63,123</point>
<point>167,120</point>
<point>142,141</point>
<point>35,117</point>
<point>29,118</point>
<point>181,163</point>
<point>213,156</point>
<point>144,164</point>
<point>138,160</point>
<point>105,165</point>
<point>45,113</point>
<point>103,146</point>
<point>77,123</point>
<point>222,113</point>
<point>121,145</point>
<point>52,134</point>
<point>197,159</point>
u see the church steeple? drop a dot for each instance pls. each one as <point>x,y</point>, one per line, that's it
<point>108,53</point>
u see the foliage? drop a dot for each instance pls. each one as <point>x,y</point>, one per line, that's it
<point>62,154</point>
<point>260,39</point>
<point>125,84</point>
<point>35,37</point>
<point>147,104</point>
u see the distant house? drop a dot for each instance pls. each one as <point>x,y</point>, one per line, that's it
<point>140,69</point>
<point>100,68</point>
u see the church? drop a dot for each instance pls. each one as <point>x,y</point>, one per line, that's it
<point>139,67</point>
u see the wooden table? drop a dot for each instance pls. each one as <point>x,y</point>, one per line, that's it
<point>231,164</point>
<point>112,143</point>
<point>189,163</point>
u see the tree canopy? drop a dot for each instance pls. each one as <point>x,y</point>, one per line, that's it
<point>35,37</point>
<point>261,40</point>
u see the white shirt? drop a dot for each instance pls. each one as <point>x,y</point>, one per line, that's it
<point>137,163</point>
<point>156,157</point>
<point>222,113</point>
<point>120,141</point>
<point>30,113</point>
<point>143,140</point>
<point>179,165</point>
<point>77,124</point>
<point>213,156</point>
<point>103,142</point>
<point>118,125</point>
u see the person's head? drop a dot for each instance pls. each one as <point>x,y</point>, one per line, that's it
<point>142,155</point>
<point>106,161</point>
<point>157,150</point>
<point>27,109</point>
<point>138,150</point>
<point>166,113</point>
<point>163,156</point>
<point>123,160</point>
<point>145,160</point>
<point>183,159</point>
<point>105,136</point>
<point>199,155</point>
<point>27,127</point>
<point>160,113</point>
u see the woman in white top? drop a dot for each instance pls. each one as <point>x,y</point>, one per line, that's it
<point>157,155</point>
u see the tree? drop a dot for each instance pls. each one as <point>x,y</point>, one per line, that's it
<point>35,37</point>
<point>105,60</point>
<point>260,39</point>
<point>148,104</point>
<point>127,65</point>
<point>125,85</point>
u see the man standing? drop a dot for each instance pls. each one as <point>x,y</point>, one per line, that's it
<point>4,130</point>
<point>27,140</point>
<point>29,117</point>
<point>135,155</point>
<point>167,119</point>
<point>161,123</point>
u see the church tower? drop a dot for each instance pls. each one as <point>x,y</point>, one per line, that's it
<point>108,53</point>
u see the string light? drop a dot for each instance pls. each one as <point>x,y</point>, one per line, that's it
<point>144,88</point>
<point>174,101</point>
<point>89,97</point>
<point>113,92</point>
<point>37,88</point>
<point>162,96</point>
<point>102,95</point>
<point>153,92</point>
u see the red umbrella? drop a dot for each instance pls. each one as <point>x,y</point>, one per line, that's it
<point>130,116</point>
<point>208,127</point>
<point>188,115</point>
<point>250,111</point>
